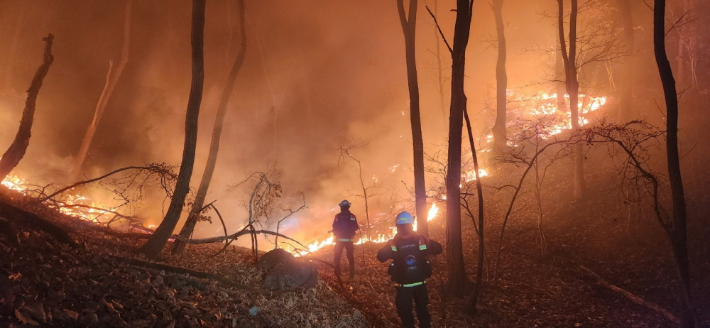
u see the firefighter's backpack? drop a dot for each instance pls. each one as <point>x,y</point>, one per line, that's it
<point>410,264</point>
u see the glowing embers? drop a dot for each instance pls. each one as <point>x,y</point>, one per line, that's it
<point>14,182</point>
<point>469,176</point>
<point>72,204</point>
<point>377,239</point>
<point>544,108</point>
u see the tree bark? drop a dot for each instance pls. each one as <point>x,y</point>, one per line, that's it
<point>627,68</point>
<point>156,243</point>
<point>572,87</point>
<point>112,78</point>
<point>17,149</point>
<point>472,308</point>
<point>198,204</point>
<point>438,63</point>
<point>409,26</point>
<point>677,234</point>
<point>457,280</point>
<point>499,128</point>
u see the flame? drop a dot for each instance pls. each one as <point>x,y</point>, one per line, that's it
<point>377,239</point>
<point>545,104</point>
<point>433,211</point>
<point>75,205</point>
<point>471,175</point>
<point>14,182</point>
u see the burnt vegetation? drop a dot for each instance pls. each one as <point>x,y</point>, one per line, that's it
<point>566,181</point>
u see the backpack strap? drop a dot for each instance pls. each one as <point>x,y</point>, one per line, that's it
<point>422,243</point>
<point>392,245</point>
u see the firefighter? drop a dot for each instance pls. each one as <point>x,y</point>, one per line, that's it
<point>409,270</point>
<point>344,228</point>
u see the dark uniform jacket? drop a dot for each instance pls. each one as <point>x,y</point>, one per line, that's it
<point>344,226</point>
<point>409,254</point>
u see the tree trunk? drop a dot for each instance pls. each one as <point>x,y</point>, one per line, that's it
<point>155,244</point>
<point>627,67</point>
<point>472,307</point>
<point>499,130</point>
<point>216,134</point>
<point>17,149</point>
<point>457,280</point>
<point>438,63</point>
<point>572,88</point>
<point>560,89</point>
<point>409,26</point>
<point>112,78</point>
<point>677,233</point>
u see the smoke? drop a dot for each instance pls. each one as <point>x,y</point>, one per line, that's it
<point>318,76</point>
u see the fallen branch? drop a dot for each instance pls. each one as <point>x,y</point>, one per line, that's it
<point>234,236</point>
<point>198,274</point>
<point>21,216</point>
<point>92,180</point>
<point>631,296</point>
<point>119,234</point>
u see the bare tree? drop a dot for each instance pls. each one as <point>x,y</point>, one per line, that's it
<point>409,27</point>
<point>17,149</point>
<point>519,156</point>
<point>197,205</point>
<point>626,85</point>
<point>457,279</point>
<point>472,308</point>
<point>676,230</point>
<point>569,59</point>
<point>157,241</point>
<point>346,151</point>
<point>440,75</point>
<point>112,77</point>
<point>499,130</point>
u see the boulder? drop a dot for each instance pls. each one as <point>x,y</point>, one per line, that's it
<point>291,274</point>
<point>273,258</point>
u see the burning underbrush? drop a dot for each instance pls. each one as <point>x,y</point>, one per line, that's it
<point>101,283</point>
<point>531,289</point>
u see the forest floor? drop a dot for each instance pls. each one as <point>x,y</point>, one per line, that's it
<point>44,282</point>
<point>556,290</point>
<point>102,283</point>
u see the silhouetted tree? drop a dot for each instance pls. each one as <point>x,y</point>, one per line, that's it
<point>199,201</point>
<point>472,308</point>
<point>457,280</point>
<point>572,86</point>
<point>155,244</point>
<point>112,78</point>
<point>499,130</point>
<point>17,149</point>
<point>626,84</point>
<point>409,27</point>
<point>676,229</point>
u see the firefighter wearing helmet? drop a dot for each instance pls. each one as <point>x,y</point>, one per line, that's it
<point>409,270</point>
<point>344,228</point>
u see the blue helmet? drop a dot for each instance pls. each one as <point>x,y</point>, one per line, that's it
<point>404,218</point>
<point>344,203</point>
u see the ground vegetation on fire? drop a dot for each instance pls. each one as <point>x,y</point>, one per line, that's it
<point>101,282</point>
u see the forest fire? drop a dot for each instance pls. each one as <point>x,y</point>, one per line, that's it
<point>76,205</point>
<point>377,239</point>
<point>545,106</point>
<point>182,165</point>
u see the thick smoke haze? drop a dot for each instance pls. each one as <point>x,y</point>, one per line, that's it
<point>318,75</point>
